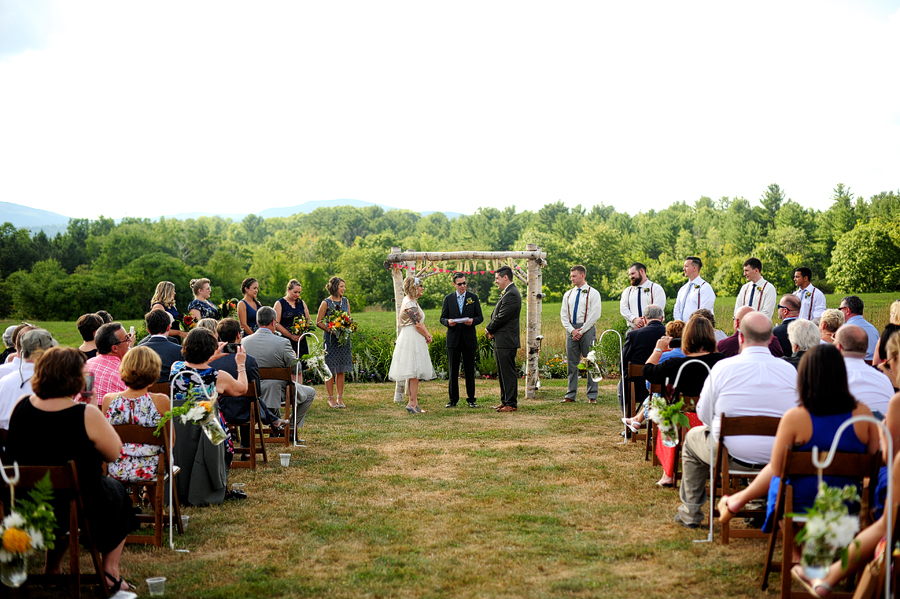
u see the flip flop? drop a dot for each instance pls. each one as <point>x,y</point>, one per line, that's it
<point>810,585</point>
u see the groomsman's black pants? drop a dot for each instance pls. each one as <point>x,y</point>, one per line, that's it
<point>509,382</point>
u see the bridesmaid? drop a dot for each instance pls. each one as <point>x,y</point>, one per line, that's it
<point>248,306</point>
<point>164,299</point>
<point>200,307</point>
<point>286,309</point>
<point>338,358</point>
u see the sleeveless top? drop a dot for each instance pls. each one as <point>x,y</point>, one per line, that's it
<point>251,315</point>
<point>171,311</point>
<point>204,308</point>
<point>287,321</point>
<point>137,462</point>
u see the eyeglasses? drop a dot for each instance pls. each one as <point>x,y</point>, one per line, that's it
<point>844,308</point>
<point>461,284</point>
<point>780,307</point>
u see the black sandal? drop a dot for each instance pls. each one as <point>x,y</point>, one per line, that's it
<point>118,585</point>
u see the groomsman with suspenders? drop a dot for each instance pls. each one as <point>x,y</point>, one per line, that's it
<point>639,295</point>
<point>812,300</point>
<point>757,292</point>
<point>579,312</point>
<point>694,294</point>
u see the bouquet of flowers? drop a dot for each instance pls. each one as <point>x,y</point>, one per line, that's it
<point>301,325</point>
<point>203,413</point>
<point>829,529</point>
<point>590,363</point>
<point>668,417</point>
<point>187,322</point>
<point>315,360</point>
<point>341,326</point>
<point>228,308</point>
<point>27,530</point>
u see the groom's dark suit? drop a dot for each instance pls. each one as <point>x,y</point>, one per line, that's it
<point>461,342</point>
<point>504,326</point>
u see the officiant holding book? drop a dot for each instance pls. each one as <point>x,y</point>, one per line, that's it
<point>461,313</point>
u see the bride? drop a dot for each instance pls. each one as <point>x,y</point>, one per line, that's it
<point>411,360</point>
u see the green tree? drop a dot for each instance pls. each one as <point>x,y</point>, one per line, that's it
<point>867,259</point>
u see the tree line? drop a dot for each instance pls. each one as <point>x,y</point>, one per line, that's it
<point>853,246</point>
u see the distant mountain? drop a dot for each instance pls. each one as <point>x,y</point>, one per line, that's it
<point>30,218</point>
<point>304,208</point>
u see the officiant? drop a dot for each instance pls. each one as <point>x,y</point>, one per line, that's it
<point>461,313</point>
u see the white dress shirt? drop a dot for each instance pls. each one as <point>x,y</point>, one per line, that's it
<point>651,294</point>
<point>588,308</point>
<point>12,389</point>
<point>752,383</point>
<point>868,385</point>
<point>764,297</point>
<point>11,366</point>
<point>812,302</point>
<point>692,296</point>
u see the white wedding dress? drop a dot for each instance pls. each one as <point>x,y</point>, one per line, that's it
<point>411,359</point>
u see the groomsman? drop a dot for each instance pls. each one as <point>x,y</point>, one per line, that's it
<point>580,311</point>
<point>503,329</point>
<point>812,300</point>
<point>461,313</point>
<point>694,294</point>
<point>757,292</point>
<point>641,294</point>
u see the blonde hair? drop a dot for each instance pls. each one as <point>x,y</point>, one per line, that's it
<point>197,285</point>
<point>140,367</point>
<point>831,320</point>
<point>291,284</point>
<point>895,312</point>
<point>164,294</point>
<point>209,324</point>
<point>893,345</point>
<point>410,283</point>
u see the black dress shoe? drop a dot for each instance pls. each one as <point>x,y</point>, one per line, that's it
<point>452,404</point>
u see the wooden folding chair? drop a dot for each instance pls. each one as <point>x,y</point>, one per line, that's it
<point>635,378</point>
<point>281,374</point>
<point>64,480</point>
<point>163,388</point>
<point>727,478</point>
<point>135,433</point>
<point>254,424</point>
<point>799,463</point>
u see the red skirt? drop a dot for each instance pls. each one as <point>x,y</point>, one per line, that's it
<point>665,454</point>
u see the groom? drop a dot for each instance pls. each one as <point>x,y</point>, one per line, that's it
<point>461,338</point>
<point>504,330</point>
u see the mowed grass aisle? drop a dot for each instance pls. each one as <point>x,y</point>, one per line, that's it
<point>545,502</point>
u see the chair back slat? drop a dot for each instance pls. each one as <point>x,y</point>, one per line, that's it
<point>135,433</point>
<point>163,388</point>
<point>737,426</point>
<point>635,370</point>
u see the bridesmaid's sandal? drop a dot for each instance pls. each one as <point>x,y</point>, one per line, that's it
<point>331,403</point>
<point>340,403</point>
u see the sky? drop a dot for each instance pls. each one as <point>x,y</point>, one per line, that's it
<point>141,109</point>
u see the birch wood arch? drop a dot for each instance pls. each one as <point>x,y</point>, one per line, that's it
<point>423,265</point>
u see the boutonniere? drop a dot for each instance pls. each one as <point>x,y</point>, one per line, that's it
<point>584,291</point>
<point>470,301</point>
<point>696,286</point>
<point>807,294</point>
<point>646,290</point>
<point>502,292</point>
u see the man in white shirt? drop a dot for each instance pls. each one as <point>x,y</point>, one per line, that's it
<point>753,383</point>
<point>694,294</point>
<point>580,311</point>
<point>867,384</point>
<point>639,295</point>
<point>17,384</point>
<point>812,300</point>
<point>757,292</point>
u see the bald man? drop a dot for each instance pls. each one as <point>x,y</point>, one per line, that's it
<point>867,384</point>
<point>788,311</point>
<point>730,346</point>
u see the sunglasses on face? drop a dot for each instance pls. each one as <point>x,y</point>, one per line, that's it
<point>461,284</point>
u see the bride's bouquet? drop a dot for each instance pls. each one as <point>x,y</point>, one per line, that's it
<point>341,326</point>
<point>301,325</point>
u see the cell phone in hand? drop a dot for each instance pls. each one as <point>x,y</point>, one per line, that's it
<point>231,348</point>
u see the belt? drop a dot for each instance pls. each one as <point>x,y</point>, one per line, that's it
<point>747,464</point>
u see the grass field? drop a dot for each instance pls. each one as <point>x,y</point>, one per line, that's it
<point>546,502</point>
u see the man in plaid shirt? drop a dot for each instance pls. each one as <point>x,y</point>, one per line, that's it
<point>112,345</point>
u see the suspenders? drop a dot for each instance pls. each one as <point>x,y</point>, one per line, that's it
<point>758,303</point>
<point>587,303</point>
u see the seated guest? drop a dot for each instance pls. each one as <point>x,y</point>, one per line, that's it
<point>80,433</point>
<point>210,324</point>
<point>852,307</point>
<point>753,383</point>
<point>708,315</point>
<point>825,404</point>
<point>730,346</point>
<point>204,466</point>
<point>200,307</point>
<point>788,311</point>
<point>889,329</point>
<point>164,300</point>
<point>17,385</point>
<point>670,349</point>
<point>698,343</point>
<point>158,325</point>
<point>639,344</point>
<point>12,363</point>
<point>803,336</point>
<point>272,351</point>
<point>237,409</point>
<point>8,342</point>
<point>830,321</point>
<point>136,405</point>
<point>867,384</point>
<point>87,327</point>
<point>112,345</point>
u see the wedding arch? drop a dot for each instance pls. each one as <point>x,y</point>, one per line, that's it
<point>424,265</point>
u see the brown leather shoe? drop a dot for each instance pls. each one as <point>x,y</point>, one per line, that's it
<point>507,409</point>
<point>566,400</point>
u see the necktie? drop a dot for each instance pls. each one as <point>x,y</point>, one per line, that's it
<point>640,310</point>
<point>459,300</point>
<point>752,291</point>
<point>577,297</point>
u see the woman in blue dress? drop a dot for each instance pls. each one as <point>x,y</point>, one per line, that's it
<point>286,309</point>
<point>248,306</point>
<point>339,357</point>
<point>825,404</point>
<point>164,299</point>
<point>200,307</point>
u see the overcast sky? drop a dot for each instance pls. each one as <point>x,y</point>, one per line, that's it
<point>142,109</point>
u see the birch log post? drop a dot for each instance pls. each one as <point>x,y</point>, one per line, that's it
<point>533,324</point>
<point>397,276</point>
